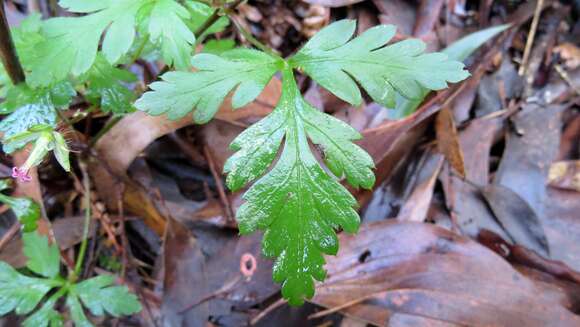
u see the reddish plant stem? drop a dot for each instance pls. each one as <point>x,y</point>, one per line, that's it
<point>8,51</point>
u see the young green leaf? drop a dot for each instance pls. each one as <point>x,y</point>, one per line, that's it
<point>26,211</point>
<point>46,315</point>
<point>167,26</point>
<point>297,203</point>
<point>106,88</point>
<point>23,294</point>
<point>99,296</point>
<point>76,311</point>
<point>43,258</point>
<point>247,71</point>
<point>338,63</point>
<point>19,292</point>
<point>71,43</point>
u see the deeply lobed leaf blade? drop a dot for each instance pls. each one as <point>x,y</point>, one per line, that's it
<point>100,295</point>
<point>338,63</point>
<point>297,203</point>
<point>247,71</point>
<point>19,292</point>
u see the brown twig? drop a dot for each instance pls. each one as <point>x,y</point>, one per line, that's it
<point>266,311</point>
<point>9,234</point>
<point>8,51</point>
<point>531,36</point>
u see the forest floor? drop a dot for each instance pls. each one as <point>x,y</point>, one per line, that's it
<point>474,219</point>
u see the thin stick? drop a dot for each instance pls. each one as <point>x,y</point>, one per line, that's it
<point>8,51</point>
<point>531,36</point>
<point>266,311</point>
<point>8,235</point>
<point>342,306</point>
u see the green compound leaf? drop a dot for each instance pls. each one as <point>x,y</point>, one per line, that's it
<point>338,62</point>
<point>167,26</point>
<point>106,87</point>
<point>297,203</point>
<point>76,311</point>
<point>458,50</point>
<point>247,71</point>
<point>99,295</point>
<point>43,258</point>
<point>20,293</point>
<point>71,43</point>
<point>45,316</point>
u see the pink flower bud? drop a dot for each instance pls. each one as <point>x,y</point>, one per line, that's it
<point>21,174</point>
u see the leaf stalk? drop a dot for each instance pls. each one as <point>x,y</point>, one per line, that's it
<point>7,50</point>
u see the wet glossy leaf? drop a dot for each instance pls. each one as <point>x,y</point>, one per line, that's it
<point>247,71</point>
<point>338,63</point>
<point>297,203</point>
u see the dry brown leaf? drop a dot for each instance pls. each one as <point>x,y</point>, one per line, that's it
<point>417,205</point>
<point>413,269</point>
<point>448,142</point>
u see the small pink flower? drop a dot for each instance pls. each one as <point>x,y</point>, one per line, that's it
<point>21,174</point>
